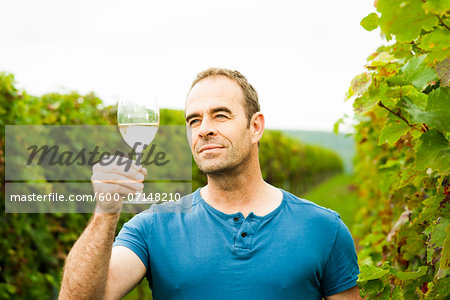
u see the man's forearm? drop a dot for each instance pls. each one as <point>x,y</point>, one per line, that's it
<point>87,264</point>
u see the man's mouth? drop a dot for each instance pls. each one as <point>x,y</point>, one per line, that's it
<point>210,148</point>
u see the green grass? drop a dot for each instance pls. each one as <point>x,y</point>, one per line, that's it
<point>338,194</point>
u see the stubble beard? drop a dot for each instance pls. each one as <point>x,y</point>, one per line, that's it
<point>228,166</point>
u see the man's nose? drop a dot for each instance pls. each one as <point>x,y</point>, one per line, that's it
<point>207,128</point>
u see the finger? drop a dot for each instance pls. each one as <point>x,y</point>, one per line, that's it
<point>144,171</point>
<point>135,165</point>
<point>120,170</point>
<point>111,188</point>
<point>130,174</point>
<point>118,179</point>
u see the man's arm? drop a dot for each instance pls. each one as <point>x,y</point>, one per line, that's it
<point>350,294</point>
<point>125,272</point>
<point>93,269</point>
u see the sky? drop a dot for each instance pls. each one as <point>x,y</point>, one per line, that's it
<point>299,55</point>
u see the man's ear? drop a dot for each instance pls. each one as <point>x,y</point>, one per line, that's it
<point>257,124</point>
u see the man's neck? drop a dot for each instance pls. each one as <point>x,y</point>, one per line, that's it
<point>244,192</point>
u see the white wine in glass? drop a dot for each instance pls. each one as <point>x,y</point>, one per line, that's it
<point>138,120</point>
<point>136,135</point>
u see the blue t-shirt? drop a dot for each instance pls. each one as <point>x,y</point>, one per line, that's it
<point>298,251</point>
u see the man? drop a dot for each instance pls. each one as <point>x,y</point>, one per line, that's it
<point>243,239</point>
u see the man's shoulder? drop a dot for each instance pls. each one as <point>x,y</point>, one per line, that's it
<point>308,208</point>
<point>182,205</point>
<point>318,222</point>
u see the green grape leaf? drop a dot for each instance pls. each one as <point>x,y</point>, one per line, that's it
<point>369,272</point>
<point>435,117</point>
<point>437,42</point>
<point>439,100</point>
<point>397,80</point>
<point>372,286</point>
<point>402,50</point>
<point>397,294</point>
<point>417,73</point>
<point>407,176</point>
<point>438,233</point>
<point>364,104</point>
<point>404,19</point>
<point>394,129</point>
<point>412,275</point>
<point>444,265</point>
<point>416,97</point>
<point>430,210</point>
<point>415,246</point>
<point>386,94</point>
<point>382,59</point>
<point>433,151</point>
<point>443,287</point>
<point>439,7</point>
<point>438,109</point>
<point>370,22</point>
<point>359,85</point>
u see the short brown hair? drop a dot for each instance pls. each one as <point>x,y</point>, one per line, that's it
<point>251,103</point>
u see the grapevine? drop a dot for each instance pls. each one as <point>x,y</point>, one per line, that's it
<point>402,104</point>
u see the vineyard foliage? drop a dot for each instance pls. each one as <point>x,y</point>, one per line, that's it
<point>34,246</point>
<point>402,104</point>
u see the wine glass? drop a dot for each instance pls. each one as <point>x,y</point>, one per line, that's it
<point>138,121</point>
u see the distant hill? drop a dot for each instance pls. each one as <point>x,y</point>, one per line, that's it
<point>342,144</point>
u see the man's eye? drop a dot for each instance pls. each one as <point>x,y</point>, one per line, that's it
<point>191,123</point>
<point>221,116</point>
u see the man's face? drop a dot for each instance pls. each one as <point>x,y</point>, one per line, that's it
<point>215,116</point>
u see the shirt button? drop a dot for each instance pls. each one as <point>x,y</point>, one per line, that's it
<point>235,219</point>
<point>244,234</point>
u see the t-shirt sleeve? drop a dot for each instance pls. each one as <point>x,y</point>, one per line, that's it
<point>135,236</point>
<point>341,270</point>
